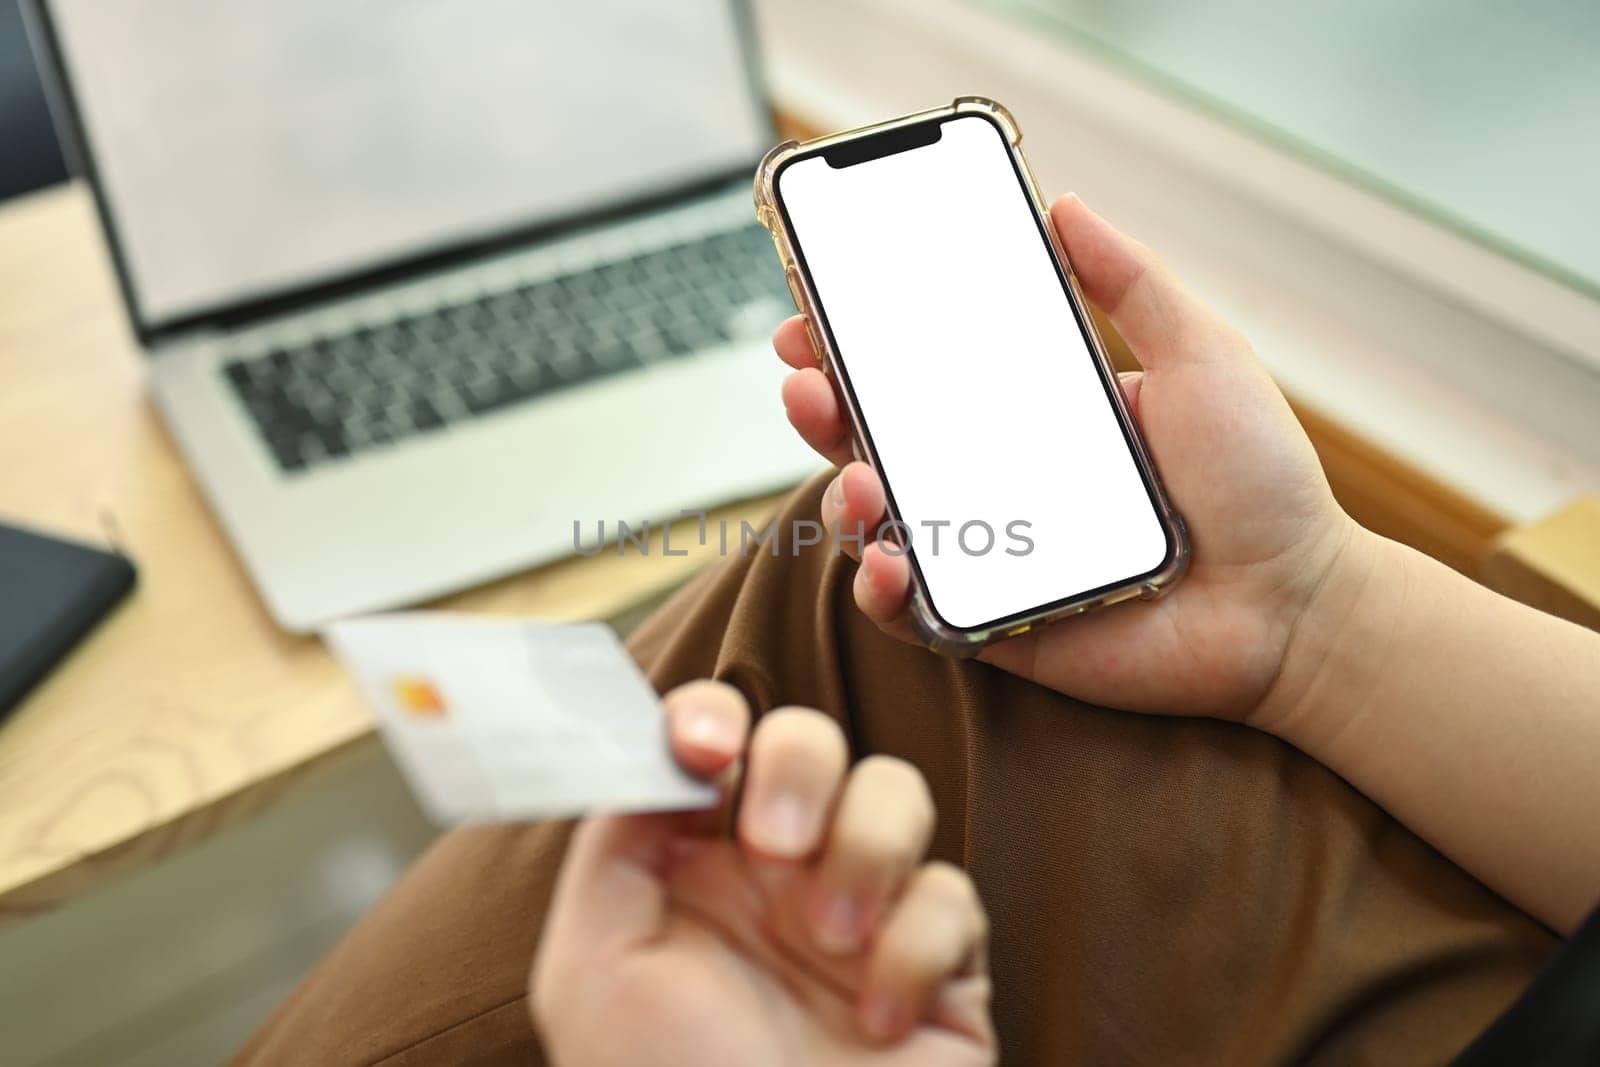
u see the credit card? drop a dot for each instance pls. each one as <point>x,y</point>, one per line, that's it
<point>494,719</point>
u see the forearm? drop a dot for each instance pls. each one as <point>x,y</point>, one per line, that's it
<point>1471,718</point>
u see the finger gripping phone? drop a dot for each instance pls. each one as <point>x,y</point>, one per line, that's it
<point>922,257</point>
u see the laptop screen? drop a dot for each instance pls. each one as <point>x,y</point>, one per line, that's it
<point>258,147</point>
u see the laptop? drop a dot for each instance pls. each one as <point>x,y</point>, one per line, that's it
<point>429,290</point>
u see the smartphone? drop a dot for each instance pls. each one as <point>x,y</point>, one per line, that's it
<point>943,308</point>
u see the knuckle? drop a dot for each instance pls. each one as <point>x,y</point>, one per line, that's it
<point>871,842</point>
<point>911,956</point>
<point>949,885</point>
<point>898,780</point>
<point>692,701</point>
<point>893,772</point>
<point>792,729</point>
<point>1149,257</point>
<point>707,690</point>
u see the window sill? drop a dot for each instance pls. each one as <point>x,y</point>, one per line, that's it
<point>1403,338</point>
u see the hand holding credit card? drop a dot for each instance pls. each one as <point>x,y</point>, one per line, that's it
<point>811,923</point>
<point>493,719</point>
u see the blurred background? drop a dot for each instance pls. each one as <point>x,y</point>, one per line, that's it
<point>1395,202</point>
<point>32,158</point>
<point>1479,115</point>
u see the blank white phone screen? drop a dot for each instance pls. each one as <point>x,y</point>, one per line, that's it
<point>977,388</point>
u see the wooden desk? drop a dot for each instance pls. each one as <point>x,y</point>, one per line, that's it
<point>187,709</point>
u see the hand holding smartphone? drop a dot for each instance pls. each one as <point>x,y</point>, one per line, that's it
<point>1016,480</point>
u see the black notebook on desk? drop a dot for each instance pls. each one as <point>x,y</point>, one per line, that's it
<point>52,592</point>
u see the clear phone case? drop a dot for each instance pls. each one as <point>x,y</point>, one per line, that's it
<point>938,635</point>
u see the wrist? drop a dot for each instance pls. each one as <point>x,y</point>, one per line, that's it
<point>1340,640</point>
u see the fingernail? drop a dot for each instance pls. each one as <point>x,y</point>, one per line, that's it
<point>839,926</point>
<point>707,729</point>
<point>836,491</point>
<point>781,826</point>
<point>881,1018</point>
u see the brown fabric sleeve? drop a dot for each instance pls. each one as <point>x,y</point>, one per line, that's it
<point>1161,890</point>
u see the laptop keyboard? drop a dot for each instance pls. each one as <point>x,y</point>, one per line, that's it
<point>335,395</point>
